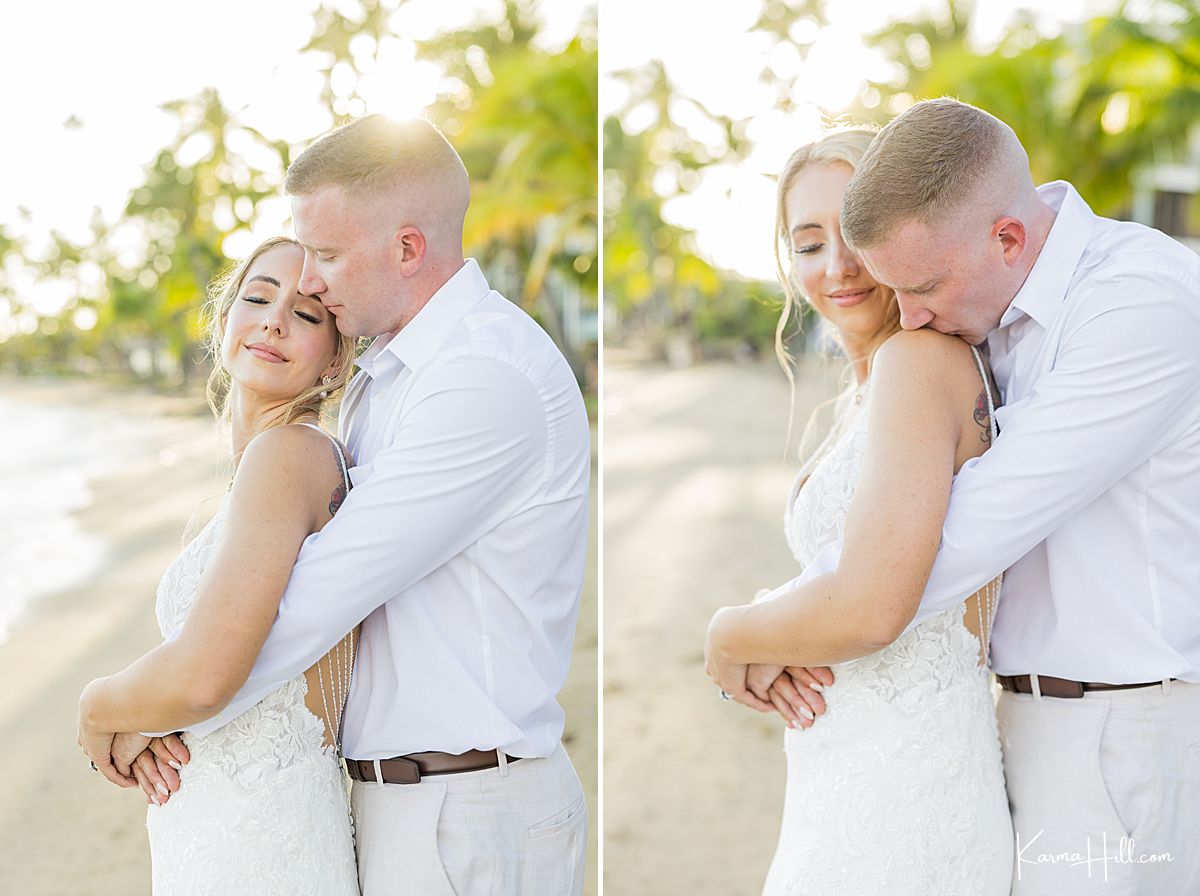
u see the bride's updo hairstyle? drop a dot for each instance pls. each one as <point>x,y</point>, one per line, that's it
<point>846,147</point>
<point>317,399</point>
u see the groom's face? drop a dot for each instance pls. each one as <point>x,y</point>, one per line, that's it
<point>347,263</point>
<point>943,277</point>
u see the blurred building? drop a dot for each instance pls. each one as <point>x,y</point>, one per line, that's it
<point>1166,195</point>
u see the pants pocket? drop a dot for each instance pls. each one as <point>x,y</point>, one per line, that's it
<point>397,832</point>
<point>1130,769</point>
<point>1061,804</point>
<point>554,858</point>
<point>468,850</point>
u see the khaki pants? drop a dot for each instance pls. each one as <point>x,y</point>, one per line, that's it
<point>517,830</point>
<point>1104,791</point>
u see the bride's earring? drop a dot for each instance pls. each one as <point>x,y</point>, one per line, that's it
<point>325,381</point>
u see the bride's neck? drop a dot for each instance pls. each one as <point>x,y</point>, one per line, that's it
<point>251,413</point>
<point>860,351</point>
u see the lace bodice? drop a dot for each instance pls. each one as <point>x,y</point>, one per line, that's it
<point>262,806</point>
<point>898,787</point>
<point>939,651</point>
<point>815,514</point>
<point>279,730</point>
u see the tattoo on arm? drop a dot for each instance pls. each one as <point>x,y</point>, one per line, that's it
<point>339,493</point>
<point>336,499</point>
<point>983,418</point>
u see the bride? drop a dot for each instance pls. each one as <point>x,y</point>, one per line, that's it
<point>898,788</point>
<point>261,804</point>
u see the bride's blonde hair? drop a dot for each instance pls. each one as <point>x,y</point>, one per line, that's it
<point>845,146</point>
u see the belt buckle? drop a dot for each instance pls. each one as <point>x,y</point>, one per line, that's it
<point>410,772</point>
<point>1075,690</point>
<point>1059,688</point>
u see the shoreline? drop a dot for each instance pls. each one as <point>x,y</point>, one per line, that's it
<point>65,829</point>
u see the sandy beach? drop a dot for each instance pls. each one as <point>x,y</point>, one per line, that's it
<point>695,481</point>
<point>63,829</point>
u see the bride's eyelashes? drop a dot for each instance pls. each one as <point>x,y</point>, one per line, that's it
<point>259,300</point>
<point>807,250</point>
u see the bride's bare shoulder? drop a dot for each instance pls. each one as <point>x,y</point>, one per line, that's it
<point>926,355</point>
<point>293,461</point>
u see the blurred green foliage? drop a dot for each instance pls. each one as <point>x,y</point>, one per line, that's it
<point>523,118</point>
<point>1094,103</point>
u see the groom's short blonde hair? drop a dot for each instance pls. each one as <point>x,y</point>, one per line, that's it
<point>377,153</point>
<point>927,163</point>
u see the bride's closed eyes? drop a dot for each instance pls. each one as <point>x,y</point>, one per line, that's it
<point>304,315</point>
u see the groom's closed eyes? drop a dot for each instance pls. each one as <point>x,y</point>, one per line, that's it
<point>926,287</point>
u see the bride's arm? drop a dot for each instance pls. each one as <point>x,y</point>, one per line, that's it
<point>272,509</point>
<point>894,524</point>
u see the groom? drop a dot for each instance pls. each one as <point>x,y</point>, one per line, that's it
<point>462,544</point>
<point>1090,497</point>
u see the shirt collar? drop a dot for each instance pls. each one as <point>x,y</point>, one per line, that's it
<point>417,343</point>
<point>1044,289</point>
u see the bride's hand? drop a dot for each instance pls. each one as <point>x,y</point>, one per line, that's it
<point>125,748</point>
<point>95,743</point>
<point>726,674</point>
<point>760,677</point>
<point>796,694</point>
<point>157,780</point>
<point>773,685</point>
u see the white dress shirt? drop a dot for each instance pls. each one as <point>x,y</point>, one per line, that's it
<point>462,544</point>
<point>1090,497</point>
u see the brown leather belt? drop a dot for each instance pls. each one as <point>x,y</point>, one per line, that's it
<point>1063,687</point>
<point>412,768</point>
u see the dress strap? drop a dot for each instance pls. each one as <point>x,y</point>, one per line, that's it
<point>987,597</point>
<point>337,449</point>
<point>987,388</point>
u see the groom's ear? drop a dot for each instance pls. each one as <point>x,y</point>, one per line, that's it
<point>1012,236</point>
<point>409,248</point>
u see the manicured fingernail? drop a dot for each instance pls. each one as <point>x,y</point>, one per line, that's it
<point>807,713</point>
<point>162,790</point>
<point>156,802</point>
<point>817,686</point>
<point>175,765</point>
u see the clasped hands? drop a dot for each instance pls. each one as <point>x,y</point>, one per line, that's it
<point>129,759</point>
<point>795,692</point>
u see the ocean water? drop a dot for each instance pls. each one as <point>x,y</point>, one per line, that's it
<point>49,455</point>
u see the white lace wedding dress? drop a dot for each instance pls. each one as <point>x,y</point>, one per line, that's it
<point>898,788</point>
<point>262,808</point>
